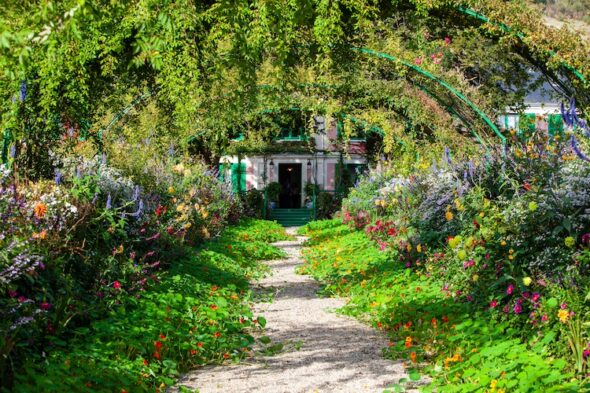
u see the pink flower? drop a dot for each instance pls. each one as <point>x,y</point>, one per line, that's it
<point>418,60</point>
<point>447,40</point>
<point>526,295</point>
<point>506,309</point>
<point>517,308</point>
<point>116,284</point>
<point>544,318</point>
<point>563,305</point>
<point>12,294</point>
<point>510,289</point>
<point>469,298</point>
<point>493,303</point>
<point>45,306</point>
<point>586,353</point>
<point>586,238</point>
<point>22,299</point>
<point>536,296</point>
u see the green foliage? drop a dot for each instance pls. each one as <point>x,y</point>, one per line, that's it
<point>197,314</point>
<point>462,347</point>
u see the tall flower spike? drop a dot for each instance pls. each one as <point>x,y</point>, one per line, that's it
<point>448,155</point>
<point>577,150</point>
<point>23,91</point>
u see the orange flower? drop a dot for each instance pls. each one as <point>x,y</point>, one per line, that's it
<point>433,322</point>
<point>413,357</point>
<point>40,235</point>
<point>40,210</point>
<point>408,342</point>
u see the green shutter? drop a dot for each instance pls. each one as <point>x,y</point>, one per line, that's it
<point>238,177</point>
<point>555,125</point>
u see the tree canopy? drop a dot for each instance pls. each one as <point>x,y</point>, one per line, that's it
<point>206,66</point>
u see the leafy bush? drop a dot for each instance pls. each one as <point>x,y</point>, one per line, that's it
<point>198,313</point>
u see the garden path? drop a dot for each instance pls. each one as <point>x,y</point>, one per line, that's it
<point>323,351</point>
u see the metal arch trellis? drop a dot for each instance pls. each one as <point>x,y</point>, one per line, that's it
<point>520,35</point>
<point>442,83</point>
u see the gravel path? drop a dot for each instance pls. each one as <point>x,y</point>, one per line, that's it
<point>323,351</point>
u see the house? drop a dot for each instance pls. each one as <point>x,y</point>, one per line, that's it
<point>300,160</point>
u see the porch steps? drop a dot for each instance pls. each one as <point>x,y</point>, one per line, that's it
<point>291,217</point>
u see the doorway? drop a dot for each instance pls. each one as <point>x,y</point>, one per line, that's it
<point>290,180</point>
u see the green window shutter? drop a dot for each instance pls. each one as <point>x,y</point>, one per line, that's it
<point>238,177</point>
<point>555,125</point>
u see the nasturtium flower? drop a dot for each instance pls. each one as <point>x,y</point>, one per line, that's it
<point>563,315</point>
<point>527,281</point>
<point>570,241</point>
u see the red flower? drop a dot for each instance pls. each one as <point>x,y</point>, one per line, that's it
<point>45,306</point>
<point>170,230</point>
<point>213,307</point>
<point>145,362</point>
<point>493,304</point>
<point>160,210</point>
<point>217,334</point>
<point>116,284</point>
<point>226,355</point>
<point>158,344</point>
<point>193,352</point>
<point>162,336</point>
<point>200,344</point>
<point>527,186</point>
<point>157,355</point>
<point>445,319</point>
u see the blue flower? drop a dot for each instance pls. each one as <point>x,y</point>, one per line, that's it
<point>23,91</point>
<point>57,177</point>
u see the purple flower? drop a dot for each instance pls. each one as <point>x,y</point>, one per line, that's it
<point>576,149</point>
<point>586,238</point>
<point>57,177</point>
<point>23,91</point>
<point>109,202</point>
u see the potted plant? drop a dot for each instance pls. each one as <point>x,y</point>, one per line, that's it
<point>273,191</point>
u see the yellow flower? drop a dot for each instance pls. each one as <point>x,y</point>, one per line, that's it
<point>171,190</point>
<point>503,243</point>
<point>563,315</point>
<point>449,215</point>
<point>409,247</point>
<point>475,278</point>
<point>570,241</point>
<point>419,248</point>
<point>493,384</point>
<point>527,281</point>
<point>482,214</point>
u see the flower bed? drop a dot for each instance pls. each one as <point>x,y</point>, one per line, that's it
<point>94,268</point>
<point>478,271</point>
